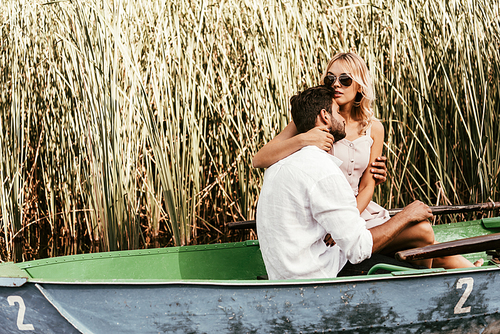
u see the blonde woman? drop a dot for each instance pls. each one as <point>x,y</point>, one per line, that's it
<point>348,74</point>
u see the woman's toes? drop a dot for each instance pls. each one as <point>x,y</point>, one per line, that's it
<point>479,263</point>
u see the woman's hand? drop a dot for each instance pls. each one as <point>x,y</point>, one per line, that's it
<point>318,136</point>
<point>379,170</point>
<point>329,241</point>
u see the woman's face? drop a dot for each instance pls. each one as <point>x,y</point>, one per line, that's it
<point>343,95</point>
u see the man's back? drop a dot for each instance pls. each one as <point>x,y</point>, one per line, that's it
<point>304,197</point>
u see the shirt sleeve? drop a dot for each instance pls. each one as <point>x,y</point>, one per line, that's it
<point>333,206</point>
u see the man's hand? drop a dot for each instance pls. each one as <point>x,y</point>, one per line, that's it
<point>320,137</point>
<point>412,214</point>
<point>417,211</point>
<point>379,170</point>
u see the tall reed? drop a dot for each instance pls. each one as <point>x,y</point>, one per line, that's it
<point>132,124</point>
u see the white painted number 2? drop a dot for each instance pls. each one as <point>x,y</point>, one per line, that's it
<point>469,281</point>
<point>20,315</point>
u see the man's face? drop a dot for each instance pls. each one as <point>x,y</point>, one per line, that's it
<point>337,123</point>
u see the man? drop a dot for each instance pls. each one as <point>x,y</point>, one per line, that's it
<point>305,196</point>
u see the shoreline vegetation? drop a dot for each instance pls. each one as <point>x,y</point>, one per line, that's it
<point>132,124</point>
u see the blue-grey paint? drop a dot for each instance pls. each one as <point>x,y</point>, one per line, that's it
<point>39,313</point>
<point>412,304</point>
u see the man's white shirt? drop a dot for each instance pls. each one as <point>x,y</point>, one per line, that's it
<point>304,197</point>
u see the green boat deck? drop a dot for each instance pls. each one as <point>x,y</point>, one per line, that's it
<point>231,261</point>
<point>462,230</point>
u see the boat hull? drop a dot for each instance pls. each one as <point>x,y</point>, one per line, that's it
<point>445,302</point>
<point>216,289</point>
<point>25,309</point>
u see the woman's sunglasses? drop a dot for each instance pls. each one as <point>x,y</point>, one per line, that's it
<point>344,79</point>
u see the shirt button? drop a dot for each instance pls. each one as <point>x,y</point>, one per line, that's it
<point>349,174</point>
<point>352,160</point>
<point>351,145</point>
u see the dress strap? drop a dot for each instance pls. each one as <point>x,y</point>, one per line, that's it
<point>369,130</point>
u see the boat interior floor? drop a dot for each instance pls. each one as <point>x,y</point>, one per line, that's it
<point>364,267</point>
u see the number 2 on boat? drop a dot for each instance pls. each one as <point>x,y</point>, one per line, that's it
<point>20,315</point>
<point>469,282</point>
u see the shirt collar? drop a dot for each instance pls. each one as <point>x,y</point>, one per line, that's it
<point>336,160</point>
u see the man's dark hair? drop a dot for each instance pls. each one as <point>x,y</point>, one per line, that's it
<point>307,105</point>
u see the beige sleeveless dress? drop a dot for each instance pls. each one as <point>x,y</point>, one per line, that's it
<point>355,156</point>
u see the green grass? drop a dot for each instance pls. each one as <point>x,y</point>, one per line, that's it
<point>132,124</point>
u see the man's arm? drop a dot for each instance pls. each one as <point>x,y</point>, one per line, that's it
<point>383,234</point>
<point>289,141</point>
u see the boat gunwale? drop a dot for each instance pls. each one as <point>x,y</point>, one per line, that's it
<point>256,283</point>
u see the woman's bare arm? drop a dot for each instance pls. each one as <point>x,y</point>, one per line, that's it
<point>367,182</point>
<point>289,141</point>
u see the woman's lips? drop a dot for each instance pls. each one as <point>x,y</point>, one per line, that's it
<point>337,94</point>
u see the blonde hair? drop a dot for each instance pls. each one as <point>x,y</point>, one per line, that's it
<point>356,67</point>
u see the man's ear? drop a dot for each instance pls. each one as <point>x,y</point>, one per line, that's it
<point>324,116</point>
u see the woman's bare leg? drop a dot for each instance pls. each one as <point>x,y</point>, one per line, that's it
<point>455,261</point>
<point>421,235</point>
<point>418,235</point>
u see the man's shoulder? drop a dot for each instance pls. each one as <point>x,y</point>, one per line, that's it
<point>311,161</point>
<point>314,154</point>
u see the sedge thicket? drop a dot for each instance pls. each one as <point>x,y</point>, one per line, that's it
<point>130,124</point>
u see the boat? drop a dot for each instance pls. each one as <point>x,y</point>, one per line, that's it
<point>221,288</point>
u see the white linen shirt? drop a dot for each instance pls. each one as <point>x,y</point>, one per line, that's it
<point>304,197</point>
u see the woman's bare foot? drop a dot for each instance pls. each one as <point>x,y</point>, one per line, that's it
<point>455,261</point>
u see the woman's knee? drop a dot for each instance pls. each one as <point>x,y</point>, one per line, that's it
<point>425,232</point>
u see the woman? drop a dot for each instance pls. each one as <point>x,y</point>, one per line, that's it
<point>348,74</point>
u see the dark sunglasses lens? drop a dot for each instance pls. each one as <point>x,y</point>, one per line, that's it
<point>345,80</point>
<point>329,80</point>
